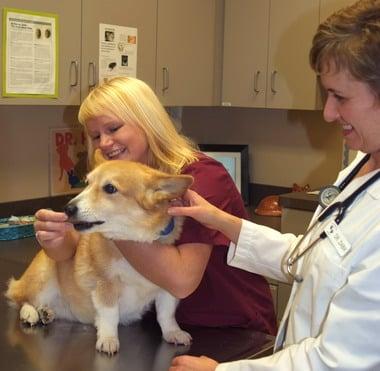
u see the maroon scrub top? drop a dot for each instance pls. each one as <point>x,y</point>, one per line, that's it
<point>226,296</point>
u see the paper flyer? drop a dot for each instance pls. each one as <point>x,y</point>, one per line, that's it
<point>68,160</point>
<point>117,51</point>
<point>29,54</point>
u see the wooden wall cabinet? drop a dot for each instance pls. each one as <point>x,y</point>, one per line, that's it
<point>78,42</point>
<point>265,54</point>
<point>266,47</point>
<point>140,14</point>
<point>185,31</point>
<point>245,53</point>
<point>186,52</point>
<point>69,44</point>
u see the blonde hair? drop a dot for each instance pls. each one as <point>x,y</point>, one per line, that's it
<point>133,101</point>
<point>350,39</point>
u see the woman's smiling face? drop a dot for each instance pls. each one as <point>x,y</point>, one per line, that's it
<point>118,140</point>
<point>352,104</point>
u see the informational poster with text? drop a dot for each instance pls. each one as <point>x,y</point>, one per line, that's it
<point>117,51</point>
<point>68,160</point>
<point>29,54</point>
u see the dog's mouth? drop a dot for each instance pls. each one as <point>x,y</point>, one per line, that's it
<point>82,226</point>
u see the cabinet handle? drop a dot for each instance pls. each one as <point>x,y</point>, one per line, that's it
<point>92,81</point>
<point>74,64</point>
<point>256,83</point>
<point>273,82</point>
<point>165,79</point>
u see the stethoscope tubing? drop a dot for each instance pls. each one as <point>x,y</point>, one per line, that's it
<point>341,206</point>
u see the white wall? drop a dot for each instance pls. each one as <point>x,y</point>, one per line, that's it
<point>24,149</point>
<point>285,146</point>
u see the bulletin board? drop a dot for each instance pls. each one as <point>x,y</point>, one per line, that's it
<point>30,54</point>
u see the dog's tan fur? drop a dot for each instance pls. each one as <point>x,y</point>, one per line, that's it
<point>127,201</point>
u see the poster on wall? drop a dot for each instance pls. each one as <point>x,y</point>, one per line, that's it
<point>68,160</point>
<point>29,54</point>
<point>117,51</point>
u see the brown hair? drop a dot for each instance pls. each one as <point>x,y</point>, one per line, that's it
<point>350,39</point>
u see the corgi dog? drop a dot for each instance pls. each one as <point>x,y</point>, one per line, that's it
<point>123,200</point>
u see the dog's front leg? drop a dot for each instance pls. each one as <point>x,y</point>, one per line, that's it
<point>106,306</point>
<point>166,305</point>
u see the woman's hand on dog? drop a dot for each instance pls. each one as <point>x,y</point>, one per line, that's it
<point>190,363</point>
<point>208,215</point>
<point>197,208</point>
<point>56,236</point>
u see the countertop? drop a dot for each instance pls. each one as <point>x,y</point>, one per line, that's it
<point>67,346</point>
<point>299,200</point>
<point>269,221</point>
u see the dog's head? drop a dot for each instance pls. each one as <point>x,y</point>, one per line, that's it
<point>128,201</point>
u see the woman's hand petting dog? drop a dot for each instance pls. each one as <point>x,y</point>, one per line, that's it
<point>207,214</point>
<point>196,207</point>
<point>190,363</point>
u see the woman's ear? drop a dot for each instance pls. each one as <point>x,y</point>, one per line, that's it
<point>98,158</point>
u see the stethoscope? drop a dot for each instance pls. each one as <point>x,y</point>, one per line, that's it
<point>341,206</point>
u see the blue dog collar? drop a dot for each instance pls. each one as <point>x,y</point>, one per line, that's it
<point>168,229</point>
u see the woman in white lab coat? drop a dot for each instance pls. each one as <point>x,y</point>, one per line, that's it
<point>332,320</point>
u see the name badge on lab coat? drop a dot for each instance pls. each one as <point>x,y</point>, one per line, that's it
<point>337,238</point>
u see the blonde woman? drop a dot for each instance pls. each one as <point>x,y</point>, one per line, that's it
<point>124,119</point>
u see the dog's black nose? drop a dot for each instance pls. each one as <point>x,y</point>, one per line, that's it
<point>70,210</point>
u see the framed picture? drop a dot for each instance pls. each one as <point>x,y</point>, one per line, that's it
<point>235,159</point>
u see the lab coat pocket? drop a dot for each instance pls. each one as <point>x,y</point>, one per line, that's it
<point>329,272</point>
<point>324,276</point>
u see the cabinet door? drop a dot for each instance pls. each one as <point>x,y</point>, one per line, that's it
<point>186,52</point>
<point>245,52</point>
<point>69,29</point>
<point>291,81</point>
<point>330,6</point>
<point>140,14</point>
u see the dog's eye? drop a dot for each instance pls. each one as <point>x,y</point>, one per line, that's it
<point>109,188</point>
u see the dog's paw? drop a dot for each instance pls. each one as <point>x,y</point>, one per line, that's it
<point>108,345</point>
<point>46,314</point>
<point>29,315</point>
<point>178,337</point>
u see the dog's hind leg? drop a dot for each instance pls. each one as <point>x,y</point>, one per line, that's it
<point>33,316</point>
<point>166,305</point>
<point>106,305</point>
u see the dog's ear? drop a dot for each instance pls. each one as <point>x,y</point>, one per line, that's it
<point>98,158</point>
<point>173,186</point>
<point>166,188</point>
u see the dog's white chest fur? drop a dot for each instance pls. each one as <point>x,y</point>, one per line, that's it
<point>137,293</point>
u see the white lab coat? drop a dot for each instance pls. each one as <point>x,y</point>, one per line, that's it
<point>333,316</point>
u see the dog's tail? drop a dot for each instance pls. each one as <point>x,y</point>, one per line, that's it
<point>14,293</point>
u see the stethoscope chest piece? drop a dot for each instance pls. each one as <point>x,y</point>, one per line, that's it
<point>298,278</point>
<point>327,195</point>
